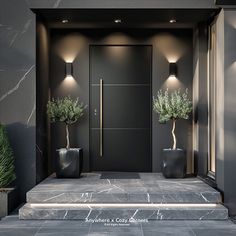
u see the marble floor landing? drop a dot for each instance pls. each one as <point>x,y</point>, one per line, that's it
<point>151,197</point>
<point>12,226</point>
<point>150,188</point>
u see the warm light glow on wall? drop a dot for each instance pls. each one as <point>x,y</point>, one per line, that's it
<point>117,38</point>
<point>119,54</point>
<point>69,79</point>
<point>69,59</point>
<point>172,59</point>
<point>172,83</point>
<point>170,46</point>
<point>68,85</point>
<point>172,78</point>
<point>69,47</point>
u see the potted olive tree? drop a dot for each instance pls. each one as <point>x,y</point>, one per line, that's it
<point>173,106</point>
<point>8,196</point>
<point>69,161</point>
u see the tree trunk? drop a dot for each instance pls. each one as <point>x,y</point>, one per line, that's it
<point>67,137</point>
<point>173,134</point>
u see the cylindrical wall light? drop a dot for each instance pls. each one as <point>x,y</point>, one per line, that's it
<point>69,69</point>
<point>173,70</point>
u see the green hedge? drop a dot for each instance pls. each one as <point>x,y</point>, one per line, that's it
<point>7,168</point>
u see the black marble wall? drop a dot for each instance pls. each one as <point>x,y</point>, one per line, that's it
<point>17,86</point>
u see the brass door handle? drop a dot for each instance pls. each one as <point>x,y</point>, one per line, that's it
<point>101,118</point>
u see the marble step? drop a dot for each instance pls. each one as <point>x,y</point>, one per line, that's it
<point>135,197</point>
<point>109,212</point>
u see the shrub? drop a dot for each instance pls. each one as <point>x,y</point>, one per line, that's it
<point>65,110</point>
<point>172,106</point>
<point>7,167</point>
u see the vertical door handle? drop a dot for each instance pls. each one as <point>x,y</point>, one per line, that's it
<point>101,119</point>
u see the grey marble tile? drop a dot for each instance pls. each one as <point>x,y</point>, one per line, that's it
<point>210,224</point>
<point>11,226</point>
<point>116,229</point>
<point>179,197</point>
<point>18,231</point>
<point>214,232</point>
<point>75,224</point>
<point>106,196</point>
<point>199,228</point>
<point>14,222</point>
<point>62,231</point>
<point>209,228</point>
<point>163,231</point>
<point>127,212</point>
<point>168,232</point>
<point>154,224</point>
<point>150,188</point>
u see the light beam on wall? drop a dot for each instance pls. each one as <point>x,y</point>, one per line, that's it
<point>70,47</point>
<point>172,83</point>
<point>170,46</point>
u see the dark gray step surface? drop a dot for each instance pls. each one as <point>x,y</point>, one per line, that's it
<point>10,226</point>
<point>132,197</point>
<point>137,212</point>
<point>150,188</point>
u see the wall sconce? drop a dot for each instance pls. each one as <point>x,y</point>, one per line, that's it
<point>173,70</point>
<point>69,69</point>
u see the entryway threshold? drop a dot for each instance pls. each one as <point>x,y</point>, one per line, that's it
<point>82,211</point>
<point>151,197</point>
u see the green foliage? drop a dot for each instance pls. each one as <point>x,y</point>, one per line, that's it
<point>7,168</point>
<point>172,106</point>
<point>65,110</point>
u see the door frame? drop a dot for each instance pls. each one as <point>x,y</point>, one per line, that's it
<point>151,95</point>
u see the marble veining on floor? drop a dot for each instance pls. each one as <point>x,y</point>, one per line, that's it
<point>12,226</point>
<point>150,188</point>
<point>151,197</point>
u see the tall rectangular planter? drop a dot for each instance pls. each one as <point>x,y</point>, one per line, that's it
<point>8,201</point>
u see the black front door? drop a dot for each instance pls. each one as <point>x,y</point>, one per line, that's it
<point>120,108</point>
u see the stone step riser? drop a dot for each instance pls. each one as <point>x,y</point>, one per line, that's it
<point>74,197</point>
<point>29,212</point>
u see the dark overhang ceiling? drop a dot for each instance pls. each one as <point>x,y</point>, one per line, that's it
<point>104,18</point>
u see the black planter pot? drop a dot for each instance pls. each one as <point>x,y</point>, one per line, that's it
<point>174,163</point>
<point>8,201</point>
<point>69,162</point>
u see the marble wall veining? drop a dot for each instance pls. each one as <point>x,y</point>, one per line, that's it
<point>17,87</point>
